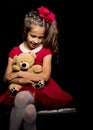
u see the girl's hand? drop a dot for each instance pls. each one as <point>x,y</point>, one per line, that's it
<point>22,81</point>
<point>31,76</point>
<point>12,75</point>
<point>25,81</point>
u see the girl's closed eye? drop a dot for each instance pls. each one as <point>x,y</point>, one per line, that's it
<point>34,36</point>
<point>41,37</point>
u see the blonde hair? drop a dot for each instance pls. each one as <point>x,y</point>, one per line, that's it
<point>51,30</point>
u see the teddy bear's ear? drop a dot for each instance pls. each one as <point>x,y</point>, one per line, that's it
<point>33,55</point>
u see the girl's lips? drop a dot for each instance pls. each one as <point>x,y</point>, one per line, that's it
<point>34,44</point>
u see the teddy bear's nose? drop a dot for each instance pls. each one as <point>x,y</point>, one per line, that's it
<point>24,65</point>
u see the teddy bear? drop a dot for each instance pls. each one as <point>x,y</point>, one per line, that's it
<point>25,62</point>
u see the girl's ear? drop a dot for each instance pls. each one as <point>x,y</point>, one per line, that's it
<point>24,30</point>
<point>24,33</point>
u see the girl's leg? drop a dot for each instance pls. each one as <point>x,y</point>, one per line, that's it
<point>22,99</point>
<point>30,117</point>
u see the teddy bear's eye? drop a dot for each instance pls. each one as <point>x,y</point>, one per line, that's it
<point>23,61</point>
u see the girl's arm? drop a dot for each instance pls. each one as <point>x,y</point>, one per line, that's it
<point>8,70</point>
<point>22,81</point>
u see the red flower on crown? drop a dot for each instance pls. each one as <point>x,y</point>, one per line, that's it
<point>46,14</point>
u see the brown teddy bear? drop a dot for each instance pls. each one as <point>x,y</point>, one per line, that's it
<point>25,62</point>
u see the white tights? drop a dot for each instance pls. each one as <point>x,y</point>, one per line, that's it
<point>23,111</point>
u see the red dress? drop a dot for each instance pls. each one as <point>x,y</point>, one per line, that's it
<point>51,96</point>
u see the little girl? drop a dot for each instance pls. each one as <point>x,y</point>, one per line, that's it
<point>40,37</point>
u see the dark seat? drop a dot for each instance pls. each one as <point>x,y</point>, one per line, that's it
<point>57,119</point>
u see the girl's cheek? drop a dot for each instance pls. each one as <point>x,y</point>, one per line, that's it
<point>29,39</point>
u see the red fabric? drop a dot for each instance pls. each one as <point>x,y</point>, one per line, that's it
<point>7,98</point>
<point>50,96</point>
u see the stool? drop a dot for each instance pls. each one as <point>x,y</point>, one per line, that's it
<point>56,111</point>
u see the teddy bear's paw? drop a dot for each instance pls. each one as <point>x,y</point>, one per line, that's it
<point>39,84</point>
<point>13,91</point>
<point>37,68</point>
<point>16,68</point>
<point>14,88</point>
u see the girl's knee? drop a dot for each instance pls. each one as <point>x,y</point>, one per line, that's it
<point>23,98</point>
<point>30,113</point>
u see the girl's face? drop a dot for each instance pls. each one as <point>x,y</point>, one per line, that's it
<point>35,36</point>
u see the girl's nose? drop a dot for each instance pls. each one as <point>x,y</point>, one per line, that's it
<point>36,40</point>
